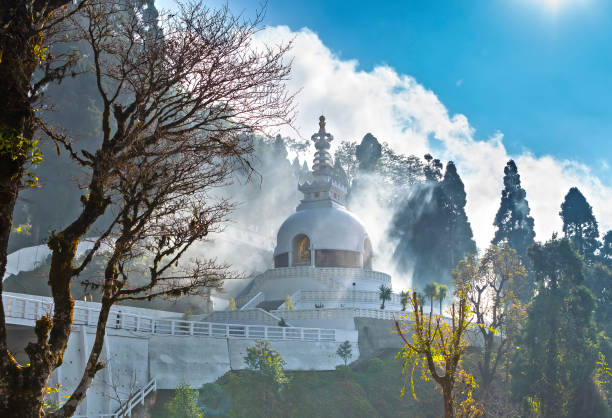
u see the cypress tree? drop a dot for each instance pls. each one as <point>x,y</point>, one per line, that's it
<point>460,240</point>
<point>368,153</point>
<point>512,222</point>
<point>579,224</point>
<point>432,228</point>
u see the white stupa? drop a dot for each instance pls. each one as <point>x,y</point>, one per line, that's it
<point>323,255</point>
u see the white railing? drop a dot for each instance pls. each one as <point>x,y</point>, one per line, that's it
<point>345,296</point>
<point>257,315</point>
<point>32,309</point>
<point>126,410</point>
<point>325,272</point>
<point>255,300</point>
<point>137,398</point>
<point>337,313</point>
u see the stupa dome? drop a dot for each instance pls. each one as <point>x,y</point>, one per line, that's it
<point>322,233</point>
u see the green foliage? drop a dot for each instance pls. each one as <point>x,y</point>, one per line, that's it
<point>375,365</point>
<point>441,294</point>
<point>513,224</point>
<point>184,404</point>
<point>404,299</point>
<point>432,228</point>
<point>556,354</point>
<point>431,291</point>
<point>353,391</point>
<point>289,303</point>
<point>267,362</point>
<point>579,224</point>
<point>345,351</point>
<point>24,150</point>
<point>384,294</point>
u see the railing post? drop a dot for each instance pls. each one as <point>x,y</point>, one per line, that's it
<point>190,327</point>
<point>172,327</point>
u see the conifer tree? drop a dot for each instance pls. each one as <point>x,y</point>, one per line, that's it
<point>606,249</point>
<point>432,228</point>
<point>556,355</point>
<point>368,152</point>
<point>579,224</point>
<point>460,240</point>
<point>512,222</point>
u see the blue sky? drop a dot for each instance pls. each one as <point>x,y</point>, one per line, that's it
<point>540,74</point>
<point>446,76</point>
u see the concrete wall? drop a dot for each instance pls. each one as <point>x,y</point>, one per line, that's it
<point>193,360</point>
<point>375,335</point>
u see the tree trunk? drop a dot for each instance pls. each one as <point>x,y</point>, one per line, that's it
<point>447,392</point>
<point>92,367</point>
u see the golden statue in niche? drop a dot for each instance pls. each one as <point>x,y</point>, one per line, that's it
<point>301,250</point>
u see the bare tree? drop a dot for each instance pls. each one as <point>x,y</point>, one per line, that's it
<point>179,100</point>
<point>493,281</point>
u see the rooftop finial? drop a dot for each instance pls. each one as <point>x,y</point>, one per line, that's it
<point>322,135</point>
<point>322,164</point>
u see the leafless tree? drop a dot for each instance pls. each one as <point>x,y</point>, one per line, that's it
<point>494,280</point>
<point>179,99</point>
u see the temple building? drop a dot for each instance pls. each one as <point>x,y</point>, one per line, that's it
<point>322,259</point>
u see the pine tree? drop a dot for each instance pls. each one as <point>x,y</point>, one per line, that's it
<point>579,224</point>
<point>512,222</point>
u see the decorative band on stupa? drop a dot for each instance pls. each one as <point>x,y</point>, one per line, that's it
<point>322,164</point>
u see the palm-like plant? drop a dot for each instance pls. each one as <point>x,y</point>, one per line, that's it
<point>403,299</point>
<point>384,293</point>
<point>442,293</point>
<point>431,291</point>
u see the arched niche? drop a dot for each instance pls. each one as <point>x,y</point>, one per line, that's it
<point>301,250</point>
<point>367,254</point>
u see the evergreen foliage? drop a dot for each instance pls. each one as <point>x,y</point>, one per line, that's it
<point>262,359</point>
<point>368,153</point>
<point>384,294</point>
<point>579,224</point>
<point>432,228</point>
<point>442,294</point>
<point>404,299</point>
<point>184,404</point>
<point>345,351</point>
<point>606,249</point>
<point>430,292</point>
<point>513,224</point>
<point>553,372</point>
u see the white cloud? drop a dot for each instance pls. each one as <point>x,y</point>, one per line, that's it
<point>397,109</point>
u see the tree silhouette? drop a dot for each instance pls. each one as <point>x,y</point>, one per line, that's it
<point>442,293</point>
<point>579,224</point>
<point>512,221</point>
<point>345,351</point>
<point>431,291</point>
<point>404,299</point>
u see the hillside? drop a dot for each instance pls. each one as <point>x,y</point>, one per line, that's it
<point>369,388</point>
